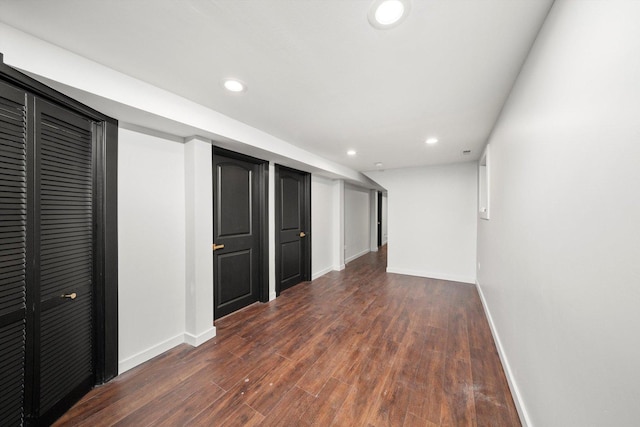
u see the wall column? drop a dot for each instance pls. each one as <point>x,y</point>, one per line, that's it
<point>199,234</point>
<point>272,231</point>
<point>338,225</point>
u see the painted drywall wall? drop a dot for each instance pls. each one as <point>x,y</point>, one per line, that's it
<point>357,233</point>
<point>338,224</point>
<point>385,219</point>
<point>432,220</point>
<point>199,231</point>
<point>151,245</point>
<point>558,260</point>
<point>272,231</point>
<point>322,242</point>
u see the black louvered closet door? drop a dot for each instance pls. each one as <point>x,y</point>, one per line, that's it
<point>64,215</point>
<point>47,258</point>
<point>13,246</point>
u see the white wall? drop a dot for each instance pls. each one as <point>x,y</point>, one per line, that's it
<point>322,242</point>
<point>559,258</point>
<point>357,233</point>
<point>151,245</point>
<point>432,220</point>
<point>338,224</point>
<point>199,231</point>
<point>385,219</point>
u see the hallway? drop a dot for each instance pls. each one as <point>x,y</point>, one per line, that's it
<point>353,348</point>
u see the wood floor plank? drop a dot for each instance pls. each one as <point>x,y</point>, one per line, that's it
<point>359,347</point>
<point>412,420</point>
<point>326,405</point>
<point>390,408</point>
<point>457,337</point>
<point>148,414</point>
<point>289,411</point>
<point>269,390</point>
<point>458,409</point>
<point>493,402</point>
<point>429,394</point>
<point>241,416</point>
<point>366,390</point>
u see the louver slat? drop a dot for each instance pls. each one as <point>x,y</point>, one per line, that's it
<point>66,252</point>
<point>13,201</point>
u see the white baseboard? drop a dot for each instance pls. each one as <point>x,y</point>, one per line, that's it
<point>339,267</point>
<point>272,296</point>
<point>148,354</point>
<point>432,275</point>
<point>196,340</point>
<point>320,273</point>
<point>151,352</point>
<point>358,255</point>
<point>515,391</point>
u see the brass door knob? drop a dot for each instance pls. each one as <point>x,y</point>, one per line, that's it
<point>302,234</point>
<point>216,247</point>
<point>72,295</point>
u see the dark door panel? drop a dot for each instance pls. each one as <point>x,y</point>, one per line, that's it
<point>293,211</point>
<point>290,261</point>
<point>234,268</point>
<point>13,252</point>
<point>234,213</point>
<point>64,215</point>
<point>237,232</point>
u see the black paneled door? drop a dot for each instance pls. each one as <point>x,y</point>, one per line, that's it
<point>293,221</point>
<point>236,233</point>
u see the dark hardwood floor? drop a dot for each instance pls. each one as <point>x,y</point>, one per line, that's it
<point>358,347</point>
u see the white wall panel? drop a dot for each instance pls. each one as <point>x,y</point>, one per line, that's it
<point>322,236</point>
<point>357,233</point>
<point>432,220</point>
<point>151,245</point>
<point>558,260</point>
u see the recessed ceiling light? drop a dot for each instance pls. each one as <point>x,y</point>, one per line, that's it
<point>351,152</point>
<point>378,164</point>
<point>234,85</point>
<point>385,14</point>
<point>431,141</point>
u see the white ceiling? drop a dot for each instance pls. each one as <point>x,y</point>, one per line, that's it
<point>319,75</point>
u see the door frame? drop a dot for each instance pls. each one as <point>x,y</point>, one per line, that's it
<point>106,233</point>
<point>263,214</point>
<point>379,215</point>
<point>306,199</point>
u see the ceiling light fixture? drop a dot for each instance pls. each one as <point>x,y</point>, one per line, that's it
<point>431,141</point>
<point>351,152</point>
<point>234,85</point>
<point>378,164</point>
<point>385,14</point>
